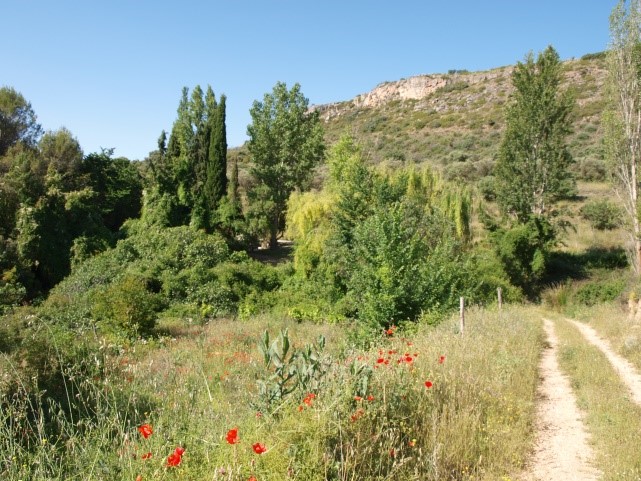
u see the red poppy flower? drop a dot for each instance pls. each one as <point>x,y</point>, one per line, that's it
<point>300,408</point>
<point>146,430</point>
<point>370,398</point>
<point>139,477</point>
<point>428,384</point>
<point>441,359</point>
<point>380,360</point>
<point>359,412</point>
<point>358,398</point>
<point>252,478</point>
<point>408,359</point>
<point>232,436</point>
<point>259,448</point>
<point>412,443</point>
<point>309,398</point>
<point>392,452</point>
<point>146,455</point>
<point>175,458</point>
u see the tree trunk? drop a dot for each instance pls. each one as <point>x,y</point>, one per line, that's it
<point>273,232</point>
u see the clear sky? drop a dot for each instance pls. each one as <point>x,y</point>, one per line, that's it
<point>112,71</point>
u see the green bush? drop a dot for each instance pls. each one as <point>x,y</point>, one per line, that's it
<point>594,56</point>
<point>126,307</point>
<point>487,187</point>
<point>524,251</point>
<point>602,214</point>
<point>601,291</point>
<point>403,264</point>
<point>591,170</point>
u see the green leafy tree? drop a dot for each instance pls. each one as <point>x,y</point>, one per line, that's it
<point>61,154</point>
<point>192,167</point>
<point>117,185</point>
<point>532,167</point>
<point>285,144</point>
<point>17,120</point>
<point>623,116</point>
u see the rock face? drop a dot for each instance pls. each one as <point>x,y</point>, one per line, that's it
<point>417,88</point>
<point>413,88</point>
<point>491,84</point>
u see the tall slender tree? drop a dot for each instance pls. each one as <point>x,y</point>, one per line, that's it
<point>197,156</point>
<point>623,116</point>
<point>532,167</point>
<point>216,178</point>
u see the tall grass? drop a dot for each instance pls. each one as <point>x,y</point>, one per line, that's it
<point>472,420</point>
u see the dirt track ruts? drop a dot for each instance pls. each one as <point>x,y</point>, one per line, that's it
<point>561,451</point>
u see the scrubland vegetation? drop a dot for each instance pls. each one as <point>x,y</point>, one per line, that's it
<point>430,405</point>
<point>153,328</point>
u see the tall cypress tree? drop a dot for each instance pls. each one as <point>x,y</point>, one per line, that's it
<point>197,156</point>
<point>216,182</point>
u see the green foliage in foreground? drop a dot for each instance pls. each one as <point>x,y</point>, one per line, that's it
<point>472,420</point>
<point>124,290</point>
<point>385,247</point>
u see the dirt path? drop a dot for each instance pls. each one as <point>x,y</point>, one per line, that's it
<point>626,371</point>
<point>562,451</point>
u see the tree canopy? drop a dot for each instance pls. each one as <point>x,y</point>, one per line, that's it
<point>17,120</point>
<point>285,145</point>
<point>532,167</point>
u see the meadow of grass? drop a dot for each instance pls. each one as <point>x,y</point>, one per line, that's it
<point>424,405</point>
<point>613,420</point>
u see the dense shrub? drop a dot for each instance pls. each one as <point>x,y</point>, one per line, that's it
<point>487,188</point>
<point>591,170</point>
<point>602,214</point>
<point>126,307</point>
<point>159,265</point>
<point>403,264</point>
<point>594,56</point>
<point>600,291</point>
<point>524,252</point>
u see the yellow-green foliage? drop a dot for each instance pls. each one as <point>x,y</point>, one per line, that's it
<point>428,187</point>
<point>308,224</point>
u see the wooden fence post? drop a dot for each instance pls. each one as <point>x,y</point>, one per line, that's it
<point>462,319</point>
<point>500,294</point>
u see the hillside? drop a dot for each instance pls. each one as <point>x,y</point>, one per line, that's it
<point>454,121</point>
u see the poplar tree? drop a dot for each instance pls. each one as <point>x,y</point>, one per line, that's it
<point>285,145</point>
<point>623,116</point>
<point>532,166</point>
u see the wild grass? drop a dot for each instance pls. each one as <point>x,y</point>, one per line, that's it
<point>613,323</point>
<point>613,420</point>
<point>473,422</point>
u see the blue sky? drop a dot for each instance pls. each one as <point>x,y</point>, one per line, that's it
<point>112,71</point>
